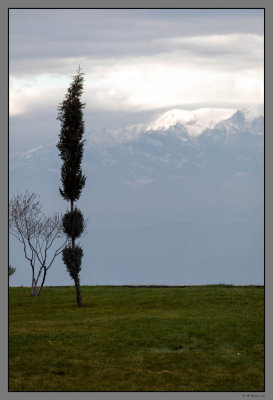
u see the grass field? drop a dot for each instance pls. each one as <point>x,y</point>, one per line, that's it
<point>207,338</point>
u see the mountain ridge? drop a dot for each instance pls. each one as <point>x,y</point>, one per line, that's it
<point>186,124</point>
<point>140,156</point>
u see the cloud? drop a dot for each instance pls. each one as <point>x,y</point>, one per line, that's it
<point>35,93</point>
<point>136,60</point>
<point>106,33</point>
<point>243,46</point>
<point>147,83</point>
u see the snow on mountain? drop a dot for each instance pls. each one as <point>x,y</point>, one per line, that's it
<point>194,121</point>
<point>185,124</point>
<point>246,120</point>
<point>253,112</point>
<point>179,144</point>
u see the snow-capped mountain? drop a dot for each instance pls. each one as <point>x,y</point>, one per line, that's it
<point>194,122</point>
<point>248,120</point>
<point>184,143</point>
<point>186,124</point>
<point>178,144</point>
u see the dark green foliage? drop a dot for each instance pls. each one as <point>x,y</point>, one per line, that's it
<point>72,184</point>
<point>72,257</point>
<point>73,223</point>
<point>70,146</point>
<point>71,143</point>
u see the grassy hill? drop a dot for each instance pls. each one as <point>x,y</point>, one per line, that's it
<point>206,338</point>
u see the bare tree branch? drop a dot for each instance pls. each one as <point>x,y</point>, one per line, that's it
<point>37,233</point>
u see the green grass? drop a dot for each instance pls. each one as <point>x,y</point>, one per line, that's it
<point>208,338</point>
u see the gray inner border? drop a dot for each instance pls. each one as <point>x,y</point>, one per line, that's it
<point>4,5</point>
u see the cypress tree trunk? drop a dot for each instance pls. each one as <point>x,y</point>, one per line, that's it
<point>76,280</point>
<point>78,292</point>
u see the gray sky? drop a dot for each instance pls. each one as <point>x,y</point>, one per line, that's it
<point>136,60</point>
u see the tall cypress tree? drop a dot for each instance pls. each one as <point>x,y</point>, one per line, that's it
<point>70,146</point>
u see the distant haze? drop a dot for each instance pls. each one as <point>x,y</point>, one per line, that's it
<point>174,151</point>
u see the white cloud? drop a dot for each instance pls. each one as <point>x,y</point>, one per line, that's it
<point>34,93</point>
<point>155,84</point>
<point>243,45</point>
<point>213,69</point>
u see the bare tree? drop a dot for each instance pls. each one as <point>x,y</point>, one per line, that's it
<point>37,233</point>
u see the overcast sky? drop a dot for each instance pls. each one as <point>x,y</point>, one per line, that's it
<point>136,60</point>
